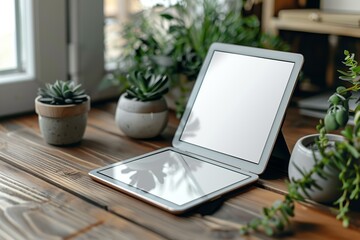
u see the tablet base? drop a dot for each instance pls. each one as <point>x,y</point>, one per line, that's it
<point>281,150</point>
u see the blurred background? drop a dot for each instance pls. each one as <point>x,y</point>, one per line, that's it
<point>45,40</point>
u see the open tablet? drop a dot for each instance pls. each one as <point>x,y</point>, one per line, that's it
<point>173,180</point>
<point>226,135</point>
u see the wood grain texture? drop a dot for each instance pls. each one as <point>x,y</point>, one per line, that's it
<point>37,210</point>
<point>64,171</point>
<point>22,146</point>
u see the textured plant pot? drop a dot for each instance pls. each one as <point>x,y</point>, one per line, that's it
<point>141,119</point>
<point>302,157</point>
<point>62,124</point>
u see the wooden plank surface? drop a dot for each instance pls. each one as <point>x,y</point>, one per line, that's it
<point>33,209</point>
<point>66,168</point>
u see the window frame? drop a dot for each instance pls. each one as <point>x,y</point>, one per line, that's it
<point>44,22</point>
<point>18,41</point>
<point>86,46</point>
<point>76,28</point>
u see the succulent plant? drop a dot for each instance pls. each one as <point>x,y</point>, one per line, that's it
<point>62,93</point>
<point>145,85</point>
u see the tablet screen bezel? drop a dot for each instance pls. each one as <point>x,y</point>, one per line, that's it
<point>253,167</point>
<point>160,202</point>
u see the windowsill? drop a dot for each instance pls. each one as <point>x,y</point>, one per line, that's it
<point>16,77</point>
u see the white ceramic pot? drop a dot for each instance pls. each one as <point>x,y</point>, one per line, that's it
<point>62,124</point>
<point>139,119</point>
<point>302,157</point>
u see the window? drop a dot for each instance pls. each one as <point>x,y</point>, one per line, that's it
<point>30,57</point>
<point>117,12</point>
<point>43,41</point>
<point>48,40</point>
<point>10,48</point>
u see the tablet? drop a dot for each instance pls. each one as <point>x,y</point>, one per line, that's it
<point>225,137</point>
<point>173,180</point>
<point>235,111</point>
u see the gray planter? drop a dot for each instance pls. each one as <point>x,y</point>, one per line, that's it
<point>141,119</point>
<point>302,157</point>
<point>62,124</point>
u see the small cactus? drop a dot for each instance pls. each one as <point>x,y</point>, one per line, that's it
<point>62,93</point>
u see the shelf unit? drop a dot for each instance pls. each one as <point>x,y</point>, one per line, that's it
<point>273,24</point>
<point>314,27</point>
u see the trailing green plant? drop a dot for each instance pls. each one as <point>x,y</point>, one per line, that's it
<point>343,156</point>
<point>62,93</point>
<point>145,85</point>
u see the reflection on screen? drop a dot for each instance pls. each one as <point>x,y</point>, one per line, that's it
<point>236,105</point>
<point>174,177</point>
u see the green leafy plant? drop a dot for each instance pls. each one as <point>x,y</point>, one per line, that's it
<point>343,156</point>
<point>146,85</point>
<point>62,93</point>
<point>174,40</point>
<point>195,25</point>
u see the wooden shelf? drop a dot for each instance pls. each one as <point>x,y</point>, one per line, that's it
<point>314,27</point>
<point>291,16</point>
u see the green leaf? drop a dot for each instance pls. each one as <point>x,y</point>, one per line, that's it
<point>289,211</point>
<point>69,101</point>
<point>56,90</point>
<point>77,88</point>
<point>347,133</point>
<point>342,116</point>
<point>346,78</point>
<point>167,16</point>
<point>244,231</point>
<point>352,150</point>
<point>330,122</point>
<point>356,69</point>
<point>347,74</point>
<point>67,93</point>
<point>266,211</point>
<point>280,225</point>
<point>299,169</point>
<point>268,230</point>
<point>254,223</point>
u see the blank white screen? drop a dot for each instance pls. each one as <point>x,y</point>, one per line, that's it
<point>175,177</point>
<point>236,104</point>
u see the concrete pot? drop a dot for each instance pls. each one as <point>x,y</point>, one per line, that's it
<point>62,124</point>
<point>302,156</point>
<point>139,119</point>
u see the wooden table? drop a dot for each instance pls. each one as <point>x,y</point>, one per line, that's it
<point>46,193</point>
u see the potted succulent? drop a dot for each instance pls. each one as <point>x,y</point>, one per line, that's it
<point>335,159</point>
<point>62,108</point>
<point>142,111</point>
